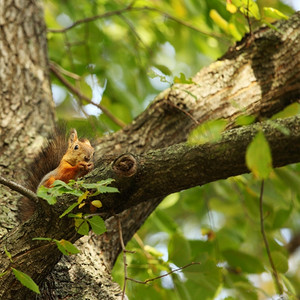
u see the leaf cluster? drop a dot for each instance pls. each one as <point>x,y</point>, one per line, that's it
<point>82,191</point>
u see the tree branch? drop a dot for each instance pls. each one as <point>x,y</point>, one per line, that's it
<point>130,7</point>
<point>19,188</point>
<point>75,91</point>
<point>158,173</point>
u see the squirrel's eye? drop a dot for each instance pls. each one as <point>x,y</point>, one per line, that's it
<point>76,147</point>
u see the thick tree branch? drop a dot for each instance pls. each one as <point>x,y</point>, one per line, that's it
<point>178,167</point>
<point>141,178</point>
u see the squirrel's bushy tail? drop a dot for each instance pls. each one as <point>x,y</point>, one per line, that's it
<point>45,161</point>
<point>48,158</point>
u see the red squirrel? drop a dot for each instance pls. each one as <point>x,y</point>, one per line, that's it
<point>76,162</point>
<point>59,159</point>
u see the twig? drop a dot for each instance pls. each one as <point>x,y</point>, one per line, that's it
<point>65,72</point>
<point>179,21</point>
<point>130,7</point>
<point>82,96</point>
<point>19,188</point>
<point>262,229</point>
<point>164,275</point>
<point>124,254</point>
<point>135,33</point>
<point>183,111</point>
<point>248,19</point>
<point>90,19</point>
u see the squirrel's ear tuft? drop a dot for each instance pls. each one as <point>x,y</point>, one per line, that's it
<point>85,141</point>
<point>73,136</point>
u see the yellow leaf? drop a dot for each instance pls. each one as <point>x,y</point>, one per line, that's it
<point>81,205</point>
<point>97,203</point>
<point>219,20</point>
<point>83,197</point>
<point>179,8</point>
<point>231,8</point>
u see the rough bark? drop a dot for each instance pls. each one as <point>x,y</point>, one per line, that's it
<point>251,78</point>
<point>26,106</point>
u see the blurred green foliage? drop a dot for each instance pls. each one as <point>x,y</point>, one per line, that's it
<point>122,54</point>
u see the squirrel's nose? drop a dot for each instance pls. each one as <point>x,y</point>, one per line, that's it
<point>87,159</point>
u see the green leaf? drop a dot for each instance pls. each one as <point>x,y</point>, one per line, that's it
<point>281,216</point>
<point>246,290</point>
<point>289,111</point>
<point>66,247</point>
<point>243,261</point>
<point>101,187</point>
<point>82,226</point>
<point>206,275</point>
<point>254,9</point>
<point>182,290</point>
<point>86,88</point>
<point>45,194</point>
<point>2,274</point>
<point>249,7</point>
<point>8,254</point>
<point>244,120</point>
<point>169,201</point>
<point>153,251</point>
<point>97,224</point>
<point>182,79</point>
<point>107,189</point>
<point>58,189</point>
<point>106,181</point>
<point>280,261</point>
<point>288,284</point>
<point>163,69</point>
<point>69,209</point>
<point>207,132</point>
<point>60,183</point>
<point>258,156</point>
<point>26,280</point>
<point>164,221</point>
<point>152,74</point>
<point>274,13</point>
<point>179,250</point>
<point>289,178</point>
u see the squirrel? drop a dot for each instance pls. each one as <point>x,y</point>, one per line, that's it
<point>59,159</point>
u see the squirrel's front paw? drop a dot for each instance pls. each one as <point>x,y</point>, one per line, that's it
<point>90,166</point>
<point>86,166</point>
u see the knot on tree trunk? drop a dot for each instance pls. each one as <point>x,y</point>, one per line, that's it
<point>125,165</point>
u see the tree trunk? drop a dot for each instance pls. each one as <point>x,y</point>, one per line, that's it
<point>258,78</point>
<point>26,106</point>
